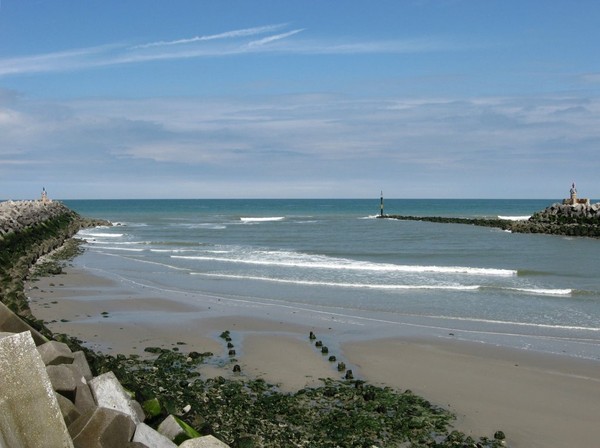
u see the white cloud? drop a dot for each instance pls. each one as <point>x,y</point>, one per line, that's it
<point>299,140</point>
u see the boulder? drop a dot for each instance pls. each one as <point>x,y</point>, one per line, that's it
<point>69,412</point>
<point>54,353</point>
<point>82,365</point>
<point>109,393</point>
<point>63,380</point>
<point>84,399</point>
<point>30,415</point>
<point>146,435</point>
<point>176,430</point>
<point>170,428</point>
<point>10,322</point>
<point>102,428</point>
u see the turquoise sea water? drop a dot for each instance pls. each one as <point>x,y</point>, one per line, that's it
<point>385,277</point>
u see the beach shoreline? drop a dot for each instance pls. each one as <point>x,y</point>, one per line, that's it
<point>536,399</point>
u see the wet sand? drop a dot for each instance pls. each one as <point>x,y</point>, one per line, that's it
<point>537,400</point>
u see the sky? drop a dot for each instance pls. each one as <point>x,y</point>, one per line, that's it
<point>299,99</point>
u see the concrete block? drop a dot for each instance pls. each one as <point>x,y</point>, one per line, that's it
<point>84,399</point>
<point>170,428</point>
<point>54,353</point>
<point>10,322</point>
<point>30,415</point>
<point>69,412</point>
<point>63,380</point>
<point>150,437</point>
<point>102,428</point>
<point>204,442</point>
<point>109,393</point>
<point>80,361</point>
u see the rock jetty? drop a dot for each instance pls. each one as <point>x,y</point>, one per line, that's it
<point>557,219</point>
<point>29,230</point>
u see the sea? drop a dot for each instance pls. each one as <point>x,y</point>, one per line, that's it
<point>332,260</point>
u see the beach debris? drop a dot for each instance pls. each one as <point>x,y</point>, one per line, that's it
<point>312,336</point>
<point>499,435</point>
<point>247,441</point>
<point>225,334</point>
<point>153,350</point>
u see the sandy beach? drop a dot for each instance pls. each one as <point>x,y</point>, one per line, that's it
<point>537,400</point>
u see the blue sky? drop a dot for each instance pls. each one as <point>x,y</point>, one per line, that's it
<point>299,99</point>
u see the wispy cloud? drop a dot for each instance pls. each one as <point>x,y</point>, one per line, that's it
<point>228,43</point>
<point>226,35</point>
<point>269,39</point>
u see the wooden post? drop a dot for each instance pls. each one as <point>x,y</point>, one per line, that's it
<point>381,204</point>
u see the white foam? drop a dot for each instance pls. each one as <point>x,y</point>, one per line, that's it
<point>342,285</point>
<point>515,218</point>
<point>172,251</point>
<point>298,260</point>
<point>104,235</point>
<point>264,219</point>
<point>542,291</point>
<point>125,249</point>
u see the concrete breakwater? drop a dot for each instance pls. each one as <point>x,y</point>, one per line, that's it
<point>48,396</point>
<point>557,219</point>
<point>15,216</point>
<point>29,230</point>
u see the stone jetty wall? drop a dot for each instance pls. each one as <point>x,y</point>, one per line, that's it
<point>563,219</point>
<point>28,230</point>
<point>48,396</point>
<point>557,219</point>
<point>15,216</point>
